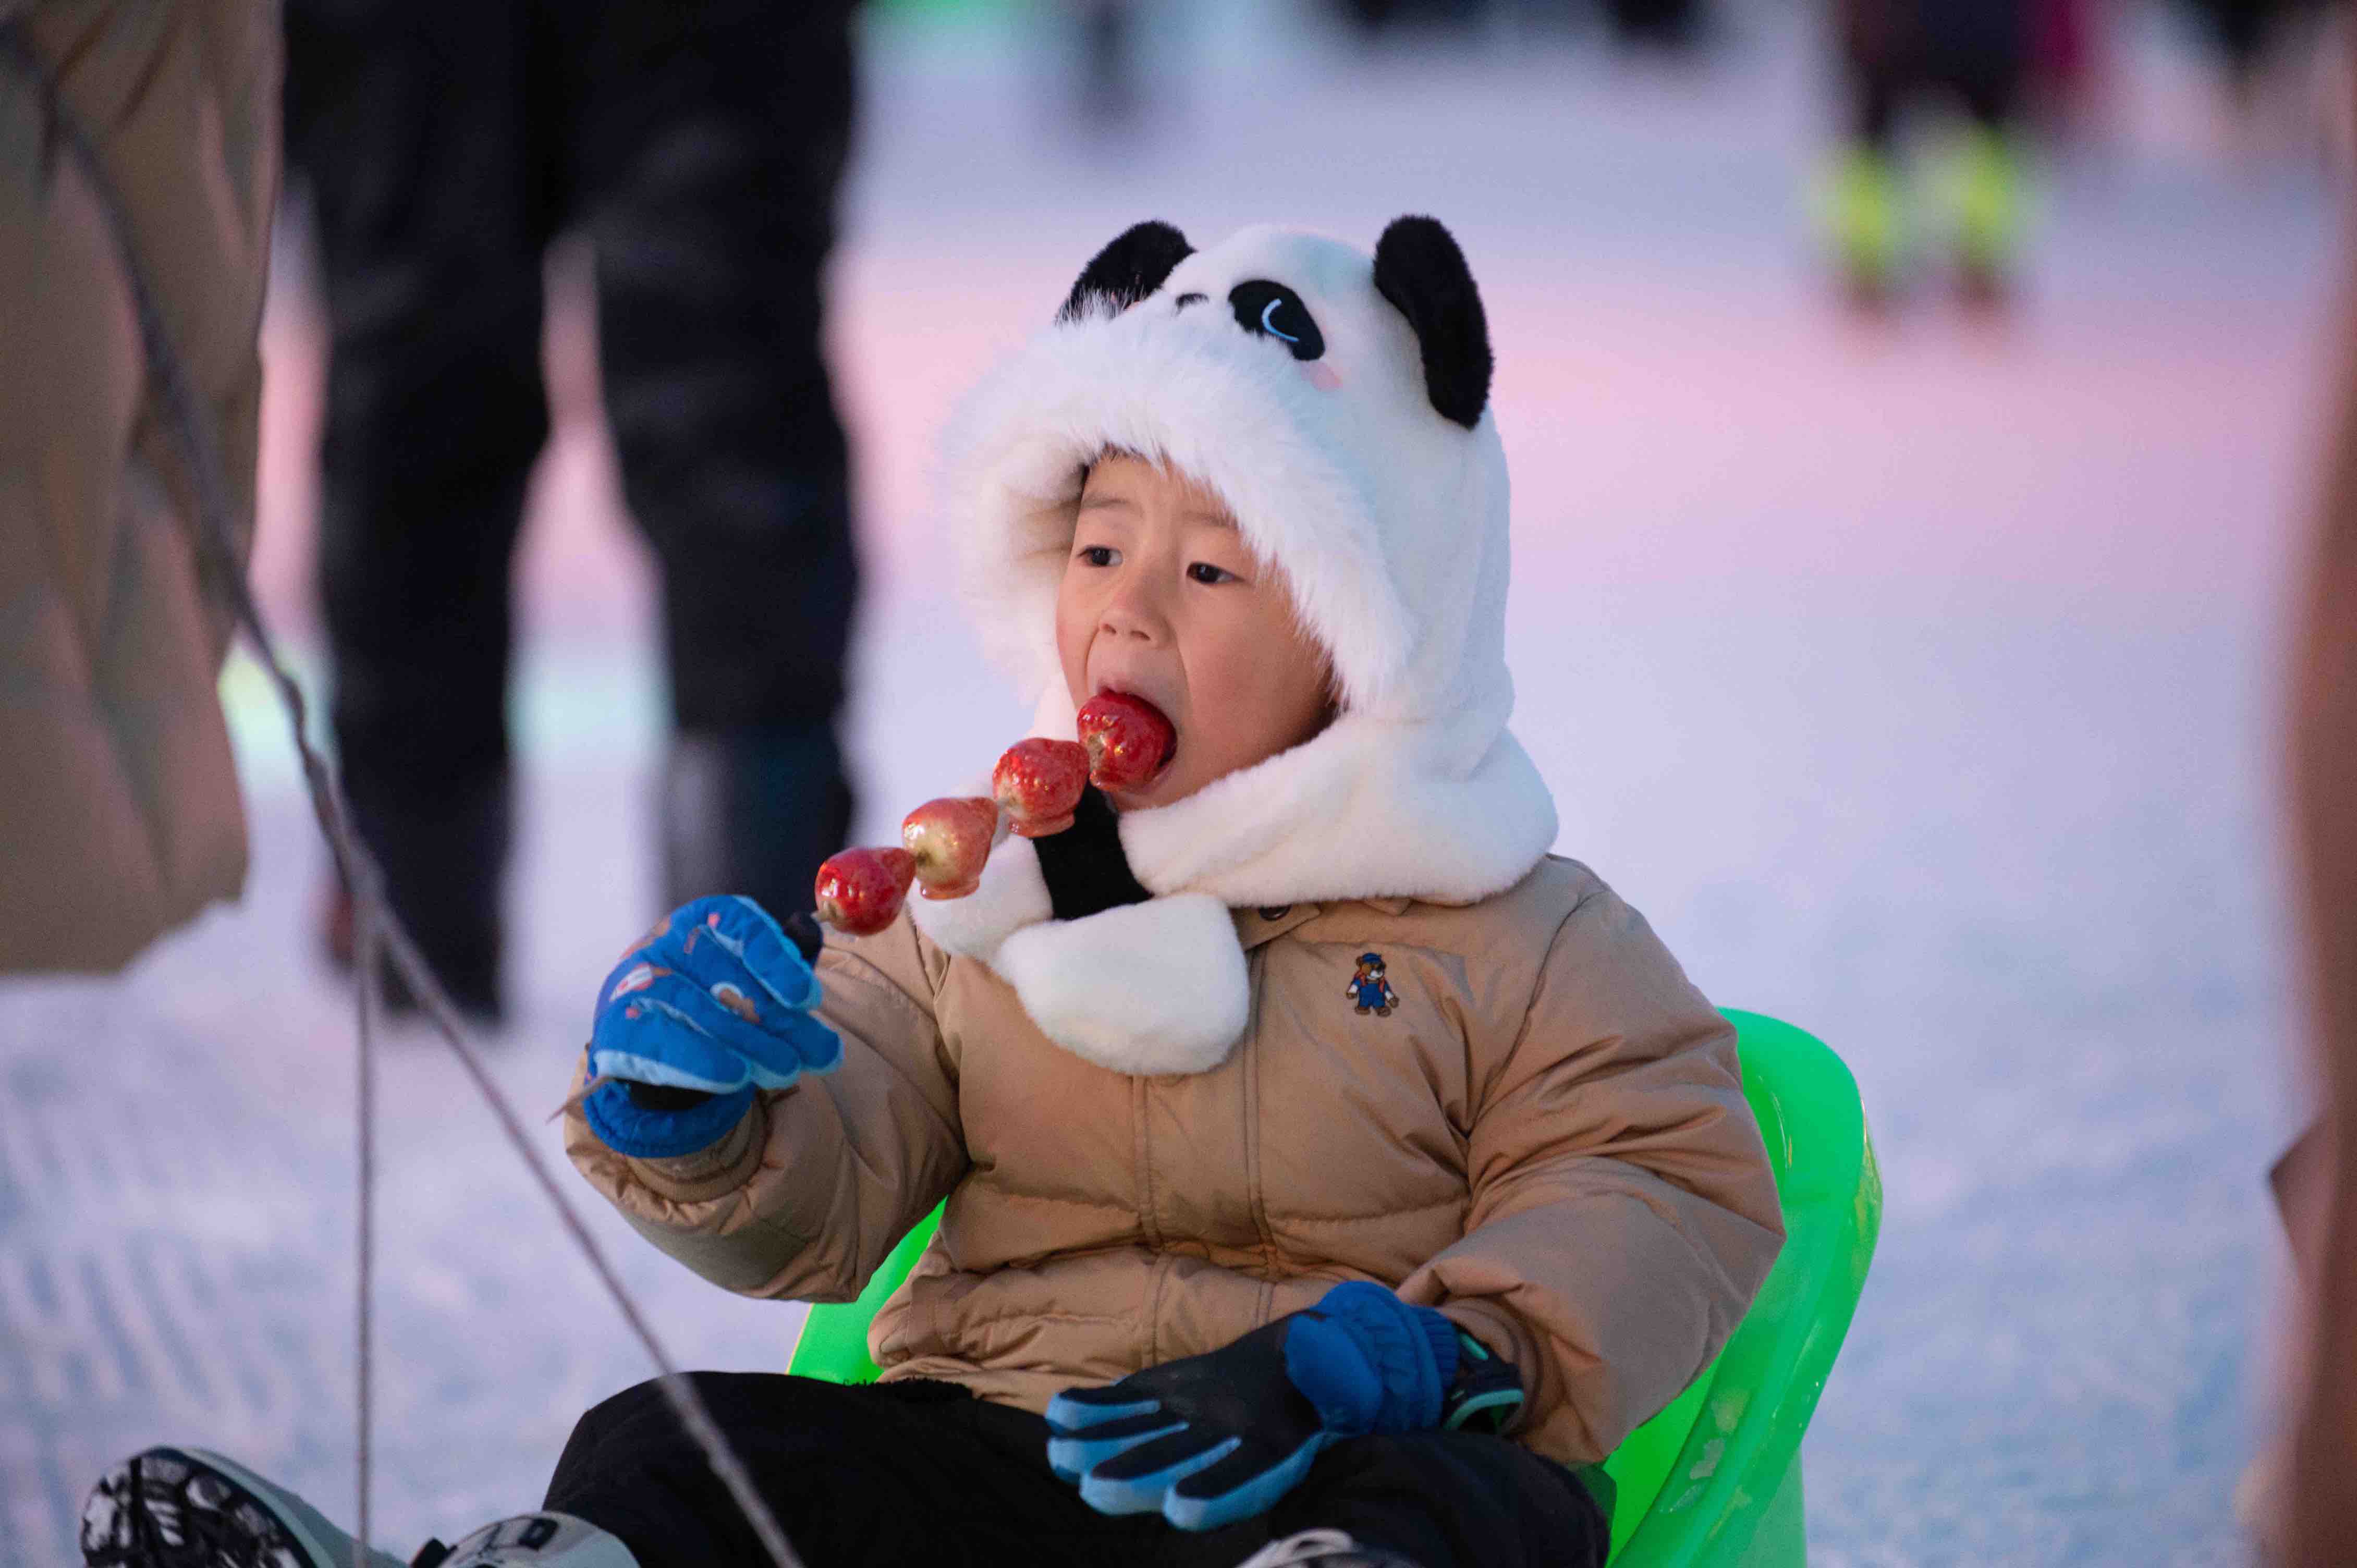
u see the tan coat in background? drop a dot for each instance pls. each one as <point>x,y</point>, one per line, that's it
<point>1547,1139</point>
<point>120,816</point>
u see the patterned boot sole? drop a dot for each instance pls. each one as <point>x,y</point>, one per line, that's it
<point>171,1508</point>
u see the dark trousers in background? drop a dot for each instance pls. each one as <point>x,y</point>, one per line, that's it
<point>1899,50</point>
<point>698,148</point>
<point>923,1472</point>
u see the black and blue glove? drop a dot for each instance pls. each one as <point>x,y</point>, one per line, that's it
<point>713,1004</point>
<point>1215,1438</point>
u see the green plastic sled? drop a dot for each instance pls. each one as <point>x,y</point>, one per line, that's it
<point>1713,1481</point>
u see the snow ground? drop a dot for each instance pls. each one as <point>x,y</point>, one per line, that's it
<point>1918,683</point>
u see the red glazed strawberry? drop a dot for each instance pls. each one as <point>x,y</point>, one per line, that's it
<point>860,890</point>
<point>1128,739</point>
<point>950,839</point>
<point>1039,782</point>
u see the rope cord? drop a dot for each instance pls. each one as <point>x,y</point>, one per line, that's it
<point>366,950</point>
<point>375,922</point>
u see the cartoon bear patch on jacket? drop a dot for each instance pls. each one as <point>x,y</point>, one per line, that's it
<point>1370,989</point>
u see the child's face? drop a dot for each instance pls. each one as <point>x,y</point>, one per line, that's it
<point>1161,599</point>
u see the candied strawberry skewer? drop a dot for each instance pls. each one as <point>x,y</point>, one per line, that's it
<point>944,844</point>
<point>950,839</point>
<point>1128,740</point>
<point>1038,782</point>
<point>1125,742</point>
<point>860,890</point>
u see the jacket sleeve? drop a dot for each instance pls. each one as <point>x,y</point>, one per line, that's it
<point>120,811</point>
<point>808,1192</point>
<point>1623,1212</point>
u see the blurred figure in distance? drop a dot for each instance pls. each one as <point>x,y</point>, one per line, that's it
<point>1668,24</point>
<point>2066,64</point>
<point>1106,34</point>
<point>1896,55</point>
<point>698,146</point>
<point>2241,31</point>
<point>1373,17</point>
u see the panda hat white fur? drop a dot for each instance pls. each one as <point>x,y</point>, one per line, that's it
<point>1337,402</point>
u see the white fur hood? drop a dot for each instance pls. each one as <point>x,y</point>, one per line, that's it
<point>1358,454</point>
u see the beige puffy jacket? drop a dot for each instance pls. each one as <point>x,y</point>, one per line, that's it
<point>119,809</point>
<point>1546,1139</point>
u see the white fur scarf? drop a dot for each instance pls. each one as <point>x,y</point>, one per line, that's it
<point>1364,811</point>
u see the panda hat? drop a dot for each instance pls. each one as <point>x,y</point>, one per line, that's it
<point>1337,402</point>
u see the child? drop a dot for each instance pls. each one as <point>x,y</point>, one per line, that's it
<point>1237,1264</point>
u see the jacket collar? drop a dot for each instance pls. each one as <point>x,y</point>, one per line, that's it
<point>1266,923</point>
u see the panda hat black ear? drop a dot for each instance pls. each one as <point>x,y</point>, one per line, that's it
<point>1419,269</point>
<point>1126,271</point>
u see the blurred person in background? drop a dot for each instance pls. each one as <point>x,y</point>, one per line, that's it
<point>2286,71</point>
<point>120,817</point>
<point>1666,25</point>
<point>1373,17</point>
<point>2065,67</point>
<point>2241,31</point>
<point>1898,55</point>
<point>447,143</point>
<point>1669,25</point>
<point>1106,34</point>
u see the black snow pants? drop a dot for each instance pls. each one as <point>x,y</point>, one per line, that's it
<point>923,1472</point>
<point>1897,51</point>
<point>697,144</point>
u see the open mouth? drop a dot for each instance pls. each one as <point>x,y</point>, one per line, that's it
<point>1131,742</point>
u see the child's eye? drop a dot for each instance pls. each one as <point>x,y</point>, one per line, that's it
<point>1095,554</point>
<point>1205,573</point>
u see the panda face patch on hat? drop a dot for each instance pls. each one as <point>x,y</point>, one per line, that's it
<point>1417,268</point>
<point>1271,310</point>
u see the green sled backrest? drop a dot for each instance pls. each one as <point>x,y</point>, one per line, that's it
<point>1714,1478</point>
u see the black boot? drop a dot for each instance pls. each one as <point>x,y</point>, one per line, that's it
<point>186,1507</point>
<point>445,863</point>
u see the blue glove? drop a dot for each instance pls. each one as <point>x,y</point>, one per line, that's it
<point>713,1004</point>
<point>1215,1438</point>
